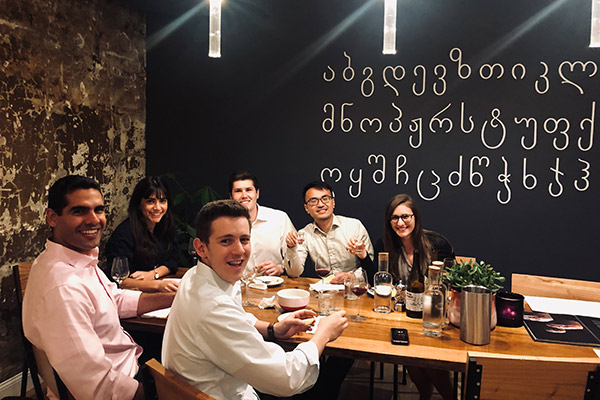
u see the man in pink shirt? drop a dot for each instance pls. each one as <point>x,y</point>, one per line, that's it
<point>71,310</point>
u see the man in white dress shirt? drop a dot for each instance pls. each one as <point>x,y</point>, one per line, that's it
<point>269,226</point>
<point>213,343</point>
<point>340,243</point>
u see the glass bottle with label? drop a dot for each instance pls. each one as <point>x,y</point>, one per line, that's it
<point>383,286</point>
<point>433,304</point>
<point>415,289</point>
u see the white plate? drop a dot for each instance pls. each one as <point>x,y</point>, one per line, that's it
<point>270,281</point>
<point>372,293</point>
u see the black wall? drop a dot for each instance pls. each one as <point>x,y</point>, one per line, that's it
<point>265,106</point>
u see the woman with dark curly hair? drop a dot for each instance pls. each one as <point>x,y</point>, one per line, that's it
<point>147,238</point>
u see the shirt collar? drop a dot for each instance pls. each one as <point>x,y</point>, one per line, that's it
<point>260,213</point>
<point>335,224</point>
<point>207,272</point>
<point>72,257</point>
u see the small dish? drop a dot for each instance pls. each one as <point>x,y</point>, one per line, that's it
<point>270,281</point>
<point>372,293</point>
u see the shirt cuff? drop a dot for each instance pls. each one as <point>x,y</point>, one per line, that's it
<point>129,303</point>
<point>311,351</point>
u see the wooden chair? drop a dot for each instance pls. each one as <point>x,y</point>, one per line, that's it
<point>464,259</point>
<point>499,376</point>
<point>162,384</point>
<point>545,286</point>
<point>35,360</point>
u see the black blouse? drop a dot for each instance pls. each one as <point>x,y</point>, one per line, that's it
<point>122,244</point>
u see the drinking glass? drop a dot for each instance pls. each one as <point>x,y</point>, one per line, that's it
<point>300,237</point>
<point>192,251</point>
<point>323,272</point>
<point>359,287</point>
<point>247,278</point>
<point>120,269</point>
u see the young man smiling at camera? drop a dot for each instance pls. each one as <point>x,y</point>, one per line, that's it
<point>269,226</point>
<point>218,347</point>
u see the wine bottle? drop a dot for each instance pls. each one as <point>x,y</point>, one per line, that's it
<point>415,289</point>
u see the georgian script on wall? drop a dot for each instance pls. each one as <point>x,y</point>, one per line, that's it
<point>568,135</point>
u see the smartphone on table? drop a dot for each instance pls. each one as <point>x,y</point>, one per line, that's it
<point>399,336</point>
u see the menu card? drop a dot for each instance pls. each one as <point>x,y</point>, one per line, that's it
<point>563,328</point>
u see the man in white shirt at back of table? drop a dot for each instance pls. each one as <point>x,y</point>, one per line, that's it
<point>269,226</point>
<point>213,343</point>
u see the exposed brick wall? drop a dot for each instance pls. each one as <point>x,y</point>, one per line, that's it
<point>72,100</point>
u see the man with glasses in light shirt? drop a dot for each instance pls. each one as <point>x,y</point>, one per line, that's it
<point>269,226</point>
<point>340,243</point>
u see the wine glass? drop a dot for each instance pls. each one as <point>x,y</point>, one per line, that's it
<point>120,269</point>
<point>323,272</point>
<point>359,287</point>
<point>247,278</point>
<point>192,251</point>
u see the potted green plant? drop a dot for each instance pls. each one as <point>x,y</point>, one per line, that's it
<point>465,273</point>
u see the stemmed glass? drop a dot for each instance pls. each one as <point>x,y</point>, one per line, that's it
<point>120,269</point>
<point>359,287</point>
<point>247,278</point>
<point>192,251</point>
<point>323,272</point>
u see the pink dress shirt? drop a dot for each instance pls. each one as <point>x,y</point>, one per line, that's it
<point>71,311</point>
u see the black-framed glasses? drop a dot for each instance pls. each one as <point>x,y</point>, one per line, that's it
<point>406,218</point>
<point>313,201</point>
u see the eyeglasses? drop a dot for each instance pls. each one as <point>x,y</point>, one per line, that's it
<point>406,218</point>
<point>313,201</point>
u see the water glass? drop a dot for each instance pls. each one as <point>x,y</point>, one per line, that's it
<point>326,303</point>
<point>382,292</point>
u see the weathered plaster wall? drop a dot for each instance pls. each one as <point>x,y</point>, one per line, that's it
<point>72,100</point>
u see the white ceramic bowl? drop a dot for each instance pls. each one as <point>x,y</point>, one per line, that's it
<point>293,299</point>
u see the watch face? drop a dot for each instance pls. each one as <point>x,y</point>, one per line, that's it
<point>156,275</point>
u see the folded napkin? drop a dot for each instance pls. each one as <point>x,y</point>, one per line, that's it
<point>258,285</point>
<point>163,313</point>
<point>325,287</point>
<point>267,302</point>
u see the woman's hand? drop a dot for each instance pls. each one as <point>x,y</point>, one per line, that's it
<point>143,275</point>
<point>167,286</point>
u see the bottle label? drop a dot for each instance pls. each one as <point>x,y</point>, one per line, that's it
<point>414,301</point>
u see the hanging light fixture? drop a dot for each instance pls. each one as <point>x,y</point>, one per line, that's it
<point>214,27</point>
<point>389,26</point>
<point>595,29</point>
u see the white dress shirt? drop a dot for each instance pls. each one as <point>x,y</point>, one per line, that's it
<point>71,311</point>
<point>268,235</point>
<point>213,344</point>
<point>329,249</point>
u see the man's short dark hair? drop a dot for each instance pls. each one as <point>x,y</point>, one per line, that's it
<point>214,210</point>
<point>242,176</point>
<point>316,185</point>
<point>57,195</point>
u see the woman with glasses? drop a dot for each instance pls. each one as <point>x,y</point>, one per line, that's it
<point>403,234</point>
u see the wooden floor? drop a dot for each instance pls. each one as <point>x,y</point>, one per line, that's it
<point>356,385</point>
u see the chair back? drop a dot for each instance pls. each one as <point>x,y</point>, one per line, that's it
<point>162,384</point>
<point>546,286</point>
<point>499,376</point>
<point>36,358</point>
<point>464,258</point>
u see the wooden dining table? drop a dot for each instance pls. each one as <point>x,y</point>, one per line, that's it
<point>370,340</point>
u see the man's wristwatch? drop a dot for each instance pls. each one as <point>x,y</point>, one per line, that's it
<point>156,276</point>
